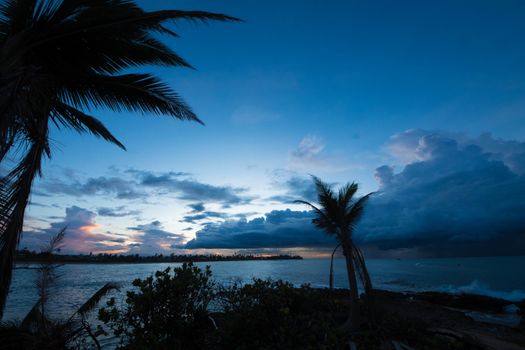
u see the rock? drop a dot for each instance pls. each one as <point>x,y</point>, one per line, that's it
<point>511,309</point>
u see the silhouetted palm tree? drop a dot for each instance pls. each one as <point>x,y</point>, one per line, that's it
<point>61,58</point>
<point>338,215</point>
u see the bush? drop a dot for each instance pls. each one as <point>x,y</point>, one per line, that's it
<point>172,310</point>
<point>276,315</point>
<point>169,311</point>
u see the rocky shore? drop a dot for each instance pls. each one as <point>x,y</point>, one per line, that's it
<point>464,321</point>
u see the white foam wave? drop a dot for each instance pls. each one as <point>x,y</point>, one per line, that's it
<point>476,287</point>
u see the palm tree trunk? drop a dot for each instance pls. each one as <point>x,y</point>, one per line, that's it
<point>363,271</point>
<point>16,190</point>
<point>331,281</point>
<point>361,268</point>
<point>353,322</point>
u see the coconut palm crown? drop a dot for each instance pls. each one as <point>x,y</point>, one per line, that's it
<point>60,60</point>
<point>338,214</point>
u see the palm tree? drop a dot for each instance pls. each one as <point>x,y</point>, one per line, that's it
<point>60,59</point>
<point>337,215</point>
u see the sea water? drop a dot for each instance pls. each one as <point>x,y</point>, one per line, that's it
<point>501,277</point>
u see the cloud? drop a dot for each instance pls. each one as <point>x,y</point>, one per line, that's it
<point>205,215</point>
<point>115,186</point>
<point>197,207</point>
<point>141,184</point>
<point>152,239</point>
<point>116,212</point>
<point>278,229</point>
<point>512,153</point>
<point>295,186</point>
<point>310,155</point>
<point>81,236</point>
<point>455,196</point>
<point>193,190</point>
<point>409,146</point>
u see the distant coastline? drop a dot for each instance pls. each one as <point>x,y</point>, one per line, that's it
<point>31,257</point>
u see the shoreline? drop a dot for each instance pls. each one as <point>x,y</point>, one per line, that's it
<point>36,262</point>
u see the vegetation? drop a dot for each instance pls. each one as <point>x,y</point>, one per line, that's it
<point>338,216</point>
<point>59,59</point>
<point>37,331</point>
<point>26,256</point>
<point>183,309</point>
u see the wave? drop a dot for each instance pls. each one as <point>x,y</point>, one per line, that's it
<point>476,287</point>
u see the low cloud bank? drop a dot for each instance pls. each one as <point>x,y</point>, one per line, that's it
<point>278,229</point>
<point>453,196</point>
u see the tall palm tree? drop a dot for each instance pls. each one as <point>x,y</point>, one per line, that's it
<point>337,215</point>
<point>60,59</point>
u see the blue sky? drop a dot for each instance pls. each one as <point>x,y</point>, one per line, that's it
<point>300,87</point>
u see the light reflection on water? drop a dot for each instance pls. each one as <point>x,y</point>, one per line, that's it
<point>495,276</point>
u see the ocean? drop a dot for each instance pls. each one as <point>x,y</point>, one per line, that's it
<point>501,277</point>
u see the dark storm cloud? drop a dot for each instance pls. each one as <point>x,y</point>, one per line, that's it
<point>278,229</point>
<point>455,196</point>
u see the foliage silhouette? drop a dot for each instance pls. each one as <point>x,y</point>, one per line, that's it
<point>37,331</point>
<point>169,310</point>
<point>58,61</point>
<point>338,215</point>
<point>183,309</point>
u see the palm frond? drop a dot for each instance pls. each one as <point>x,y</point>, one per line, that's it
<point>356,211</point>
<point>93,301</point>
<point>56,241</point>
<point>327,199</point>
<point>317,210</point>
<point>346,193</point>
<point>118,18</point>
<point>322,220</point>
<point>81,122</point>
<point>16,187</point>
<point>34,321</point>
<point>132,92</point>
<point>47,274</point>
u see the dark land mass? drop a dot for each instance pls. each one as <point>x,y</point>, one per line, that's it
<point>29,257</point>
<point>433,320</point>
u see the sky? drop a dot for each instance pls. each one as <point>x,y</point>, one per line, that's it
<point>421,102</point>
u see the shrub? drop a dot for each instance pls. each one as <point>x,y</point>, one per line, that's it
<point>169,311</point>
<point>276,315</point>
<point>172,310</point>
